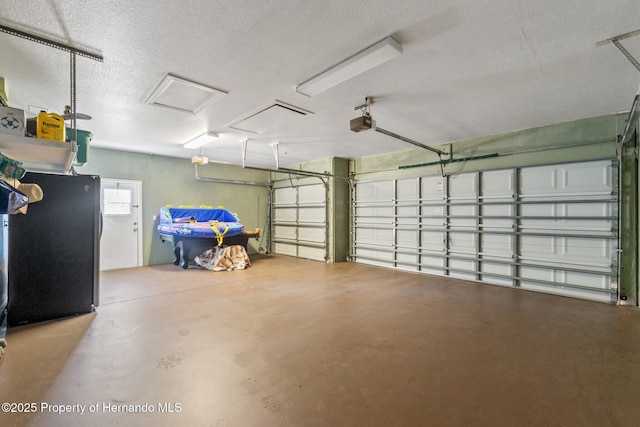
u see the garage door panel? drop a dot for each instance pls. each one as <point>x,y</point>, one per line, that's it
<point>407,238</point>
<point>299,221</point>
<point>547,228</point>
<point>376,263</point>
<point>374,256</point>
<point>497,244</point>
<point>463,187</point>
<point>462,242</point>
<point>583,280</point>
<point>496,273</point>
<point>432,240</point>
<point>316,235</point>
<point>407,261</point>
<point>573,226</point>
<point>546,210</point>
<point>374,191</point>
<point>285,232</point>
<point>375,236</point>
<point>572,178</point>
<point>567,250</point>
<point>312,215</point>
<point>497,226</point>
<point>560,210</point>
<point>433,264</point>
<point>462,269</point>
<point>498,210</point>
<point>407,215</point>
<point>432,216</point>
<point>407,189</point>
<point>311,194</point>
<point>589,209</point>
<point>285,249</point>
<point>542,274</point>
<point>567,291</point>
<point>459,215</point>
<point>498,217</point>
<point>590,251</point>
<point>285,195</point>
<point>374,215</point>
<point>538,247</point>
<point>316,254</point>
<point>432,188</point>
<point>497,184</point>
<point>285,214</point>
<point>595,281</point>
<point>540,181</point>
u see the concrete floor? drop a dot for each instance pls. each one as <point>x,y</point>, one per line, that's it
<point>303,343</point>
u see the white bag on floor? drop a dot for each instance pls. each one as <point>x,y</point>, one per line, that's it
<point>227,258</point>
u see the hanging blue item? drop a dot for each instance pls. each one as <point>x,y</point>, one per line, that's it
<point>199,222</point>
<point>198,229</point>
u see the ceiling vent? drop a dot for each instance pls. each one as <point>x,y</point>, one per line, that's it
<point>183,95</point>
<point>271,117</point>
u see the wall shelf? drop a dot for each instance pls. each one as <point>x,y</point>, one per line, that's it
<point>41,155</point>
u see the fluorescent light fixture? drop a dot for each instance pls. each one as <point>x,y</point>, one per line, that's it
<point>201,140</point>
<point>365,60</point>
<point>200,160</point>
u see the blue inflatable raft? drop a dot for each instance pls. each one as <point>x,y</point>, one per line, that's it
<point>198,229</point>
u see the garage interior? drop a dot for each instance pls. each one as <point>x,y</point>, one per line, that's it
<point>449,237</point>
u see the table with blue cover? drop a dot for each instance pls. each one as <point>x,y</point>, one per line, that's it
<point>198,229</point>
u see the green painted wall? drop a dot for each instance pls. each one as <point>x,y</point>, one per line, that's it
<point>167,180</point>
<point>340,211</point>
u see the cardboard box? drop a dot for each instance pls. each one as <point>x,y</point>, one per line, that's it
<point>12,121</point>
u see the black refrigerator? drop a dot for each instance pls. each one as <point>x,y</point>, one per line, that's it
<point>54,250</point>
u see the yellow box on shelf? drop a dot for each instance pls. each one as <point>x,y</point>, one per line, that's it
<point>50,126</point>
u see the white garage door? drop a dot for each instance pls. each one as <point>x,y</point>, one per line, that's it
<point>299,221</point>
<point>549,228</point>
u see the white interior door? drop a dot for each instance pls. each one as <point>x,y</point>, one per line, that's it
<point>121,241</point>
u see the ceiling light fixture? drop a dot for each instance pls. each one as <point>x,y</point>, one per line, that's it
<point>201,140</point>
<point>365,60</point>
<point>200,159</point>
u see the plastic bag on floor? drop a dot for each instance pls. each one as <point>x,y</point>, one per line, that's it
<point>227,258</point>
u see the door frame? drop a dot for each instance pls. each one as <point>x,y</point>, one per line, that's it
<point>137,184</point>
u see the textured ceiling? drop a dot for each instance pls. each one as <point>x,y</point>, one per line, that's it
<point>468,69</point>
